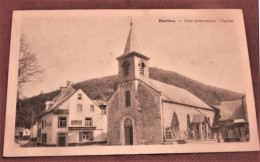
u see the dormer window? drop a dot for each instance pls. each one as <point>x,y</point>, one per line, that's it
<point>141,66</point>
<point>125,66</point>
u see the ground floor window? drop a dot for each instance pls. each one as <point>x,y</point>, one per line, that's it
<point>85,136</point>
<point>44,138</point>
<point>168,133</point>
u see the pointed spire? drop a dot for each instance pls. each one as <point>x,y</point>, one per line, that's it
<point>131,43</point>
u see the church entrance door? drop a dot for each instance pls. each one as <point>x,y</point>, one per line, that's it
<point>128,131</point>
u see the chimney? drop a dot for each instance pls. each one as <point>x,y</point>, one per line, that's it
<point>68,83</point>
<point>62,89</point>
<point>48,105</point>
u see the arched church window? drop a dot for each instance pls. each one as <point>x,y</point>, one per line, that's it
<point>188,127</point>
<point>209,128</point>
<point>125,66</point>
<point>204,129</point>
<point>127,98</point>
<point>141,66</point>
<point>128,123</point>
<point>175,125</point>
<point>208,121</point>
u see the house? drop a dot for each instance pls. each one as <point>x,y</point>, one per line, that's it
<point>146,111</point>
<point>26,134</point>
<point>71,118</point>
<point>233,121</point>
<point>34,130</point>
<point>19,132</point>
<point>22,133</point>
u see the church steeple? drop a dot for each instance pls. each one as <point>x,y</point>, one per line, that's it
<point>132,64</point>
<point>131,43</point>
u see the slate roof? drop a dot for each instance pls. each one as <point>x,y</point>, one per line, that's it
<point>231,110</point>
<point>197,118</point>
<point>61,98</point>
<point>131,43</point>
<point>176,94</point>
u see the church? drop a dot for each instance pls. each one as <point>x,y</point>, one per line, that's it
<point>144,111</point>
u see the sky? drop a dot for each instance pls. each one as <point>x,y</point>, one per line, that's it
<point>77,46</point>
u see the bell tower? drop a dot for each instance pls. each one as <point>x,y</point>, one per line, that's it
<point>132,64</point>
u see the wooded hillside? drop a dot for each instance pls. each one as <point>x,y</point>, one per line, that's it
<point>102,88</point>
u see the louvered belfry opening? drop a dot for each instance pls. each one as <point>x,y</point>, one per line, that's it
<point>142,66</point>
<point>126,67</point>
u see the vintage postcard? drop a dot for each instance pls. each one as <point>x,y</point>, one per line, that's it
<point>102,82</point>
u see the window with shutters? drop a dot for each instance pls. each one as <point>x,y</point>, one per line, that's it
<point>127,98</point>
<point>125,66</point>
<point>141,66</point>
<point>62,122</point>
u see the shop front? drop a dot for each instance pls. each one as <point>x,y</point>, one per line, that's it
<point>85,136</point>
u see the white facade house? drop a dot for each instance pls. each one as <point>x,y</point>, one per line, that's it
<point>33,130</point>
<point>72,118</point>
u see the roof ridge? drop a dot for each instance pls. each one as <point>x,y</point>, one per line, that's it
<point>59,99</point>
<point>205,105</point>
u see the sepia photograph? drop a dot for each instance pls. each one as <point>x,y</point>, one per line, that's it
<point>129,82</point>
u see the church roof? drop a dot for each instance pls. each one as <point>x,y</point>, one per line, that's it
<point>231,110</point>
<point>175,94</point>
<point>198,118</point>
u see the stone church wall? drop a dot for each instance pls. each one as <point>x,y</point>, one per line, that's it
<point>182,111</point>
<point>150,104</point>
<point>144,113</point>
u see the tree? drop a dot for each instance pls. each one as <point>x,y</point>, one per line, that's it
<point>28,67</point>
<point>28,70</point>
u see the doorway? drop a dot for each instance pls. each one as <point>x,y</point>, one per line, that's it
<point>128,126</point>
<point>61,139</point>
